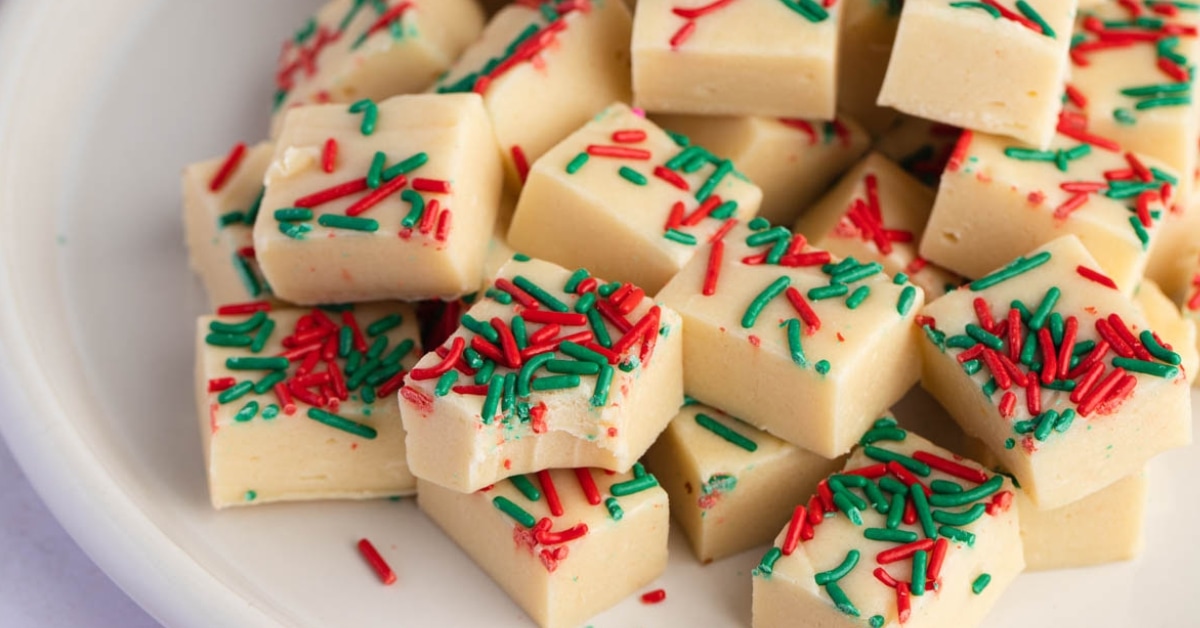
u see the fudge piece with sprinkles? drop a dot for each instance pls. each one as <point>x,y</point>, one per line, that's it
<point>355,49</point>
<point>906,534</point>
<point>1057,372</point>
<point>864,48</point>
<point>564,544</point>
<point>299,404</point>
<point>544,69</point>
<point>627,201</point>
<point>792,340</point>
<point>751,57</point>
<point>221,199</point>
<point>389,200</point>
<point>731,485</point>
<point>792,160</point>
<point>999,198</point>
<point>550,369</point>
<point>877,213</point>
<point>1000,64</point>
<point>1131,79</point>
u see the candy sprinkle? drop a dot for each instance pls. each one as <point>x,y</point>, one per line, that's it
<point>342,423</point>
<point>720,429</point>
<point>654,597</point>
<point>377,563</point>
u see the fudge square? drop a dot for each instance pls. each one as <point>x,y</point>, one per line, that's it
<point>791,340</point>
<point>621,198</point>
<point>908,531</point>
<point>1131,80</point>
<point>1000,65</point>
<point>1057,373</point>
<point>790,159</point>
<point>877,212</point>
<point>299,404</point>
<point>221,198</point>
<point>730,485</point>
<point>751,57</point>
<point>561,371</point>
<point>564,544</point>
<point>1112,201</point>
<point>544,69</point>
<point>389,200</point>
<point>864,48</point>
<point>352,49</point>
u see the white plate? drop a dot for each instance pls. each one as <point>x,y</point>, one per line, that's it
<point>101,104</point>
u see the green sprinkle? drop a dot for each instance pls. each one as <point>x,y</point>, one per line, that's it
<point>892,535</point>
<point>822,367</point>
<point>526,487</point>
<point>921,505</point>
<point>795,348</point>
<point>885,455</point>
<point>756,306</point>
<point>987,489</point>
<point>385,324</point>
<point>575,279</point>
<point>228,340</point>
<point>920,565</point>
<point>235,392</point>
<point>492,401</point>
<point>416,208</point>
<point>720,429</point>
<point>675,235</point>
<point>406,166</point>
<point>556,382</point>
<point>256,364</point>
<point>445,383</point>
<point>1018,267</point>
<point>812,12</point>
<point>877,434</point>
<point>971,367</point>
<point>268,381</point>
<point>1157,89</point>
<point>484,376</point>
<point>759,223</point>
<point>577,163</point>
<point>1038,319</point>
<point>724,168</point>
<point>1124,116</point>
<point>536,291</point>
<point>1165,371</point>
<point>270,412</point>
<point>766,566</point>
<point>603,381</point>
<point>1029,154</point>
<point>837,594</point>
<point>1035,17</point>
<point>251,496</point>
<point>1009,443</point>
<point>993,11</point>
<point>571,367</point>
<point>353,223</point>
<point>375,173</point>
<point>248,411</point>
<point>370,115</point>
<point>945,486</point>
<point>858,273</point>
<point>520,515</point>
<point>956,534</point>
<point>896,510</point>
<point>841,571</point>
<point>877,621</point>
<point>599,329</point>
<point>614,508</point>
<point>288,214</point>
<point>580,352</point>
<point>1140,231</point>
<point>636,485</point>
<point>845,501</point>
<point>294,231</point>
<point>907,296</point>
<point>1163,175</point>
<point>724,210</point>
<point>828,292</point>
<point>859,295</point>
<point>1046,422</point>
<point>342,423</point>
<point>981,583</point>
<point>230,218</point>
<point>1154,103</point>
<point>966,517</point>
<point>632,176</point>
<point>1156,349</point>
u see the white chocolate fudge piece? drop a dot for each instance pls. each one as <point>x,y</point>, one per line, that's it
<point>1000,66</point>
<point>1138,93</point>
<point>1112,201</point>
<point>908,534</point>
<point>1057,372</point>
<point>864,48</point>
<point>353,49</point>
<point>792,160</point>
<point>394,200</point>
<point>545,72</point>
<point>731,485</point>
<point>752,57</point>
<point>621,198</point>
<point>564,544</point>
<point>791,340</point>
<point>922,147</point>
<point>569,372</point>
<point>877,213</point>
<point>1177,331</point>
<point>221,198</point>
<point>297,404</point>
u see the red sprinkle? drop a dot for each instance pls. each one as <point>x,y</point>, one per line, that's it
<point>588,484</point>
<point>811,322</point>
<point>959,156</point>
<point>628,136</point>
<point>682,35</point>
<point>236,309</point>
<point>548,488</point>
<point>520,162</point>
<point>1096,276</point>
<point>949,467</point>
<point>433,186</point>
<point>221,383</point>
<point>618,152</point>
<point>701,11</point>
<point>329,155</point>
<point>654,597</point>
<point>903,551</point>
<point>1007,404</point>
<point>333,193</point>
<point>456,350</point>
<point>712,272</point>
<point>375,197</point>
<point>382,569</point>
<point>672,177</point>
<point>792,539</point>
<point>228,167</point>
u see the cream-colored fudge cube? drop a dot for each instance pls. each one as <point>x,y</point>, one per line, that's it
<point>731,485</point>
<point>353,49</point>
<point>394,200</point>
<point>300,404</point>
<point>1178,332</point>
<point>1057,372</point>
<point>922,147</point>
<point>864,48</point>
<point>564,544</point>
<point>621,198</point>
<point>791,340</point>
<point>996,68</point>
<point>751,57</point>
<point>792,160</point>
<point>877,213</point>
<point>569,372</point>
<point>908,534</point>
<point>1172,260</point>
<point>1139,93</point>
<point>543,73</point>
<point>998,199</point>
<point>221,198</point>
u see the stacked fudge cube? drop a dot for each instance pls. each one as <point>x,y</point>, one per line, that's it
<point>567,270</point>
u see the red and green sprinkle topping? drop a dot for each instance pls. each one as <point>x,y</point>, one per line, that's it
<point>924,518</point>
<point>1025,14</point>
<point>322,364</point>
<point>813,11</point>
<point>547,346</point>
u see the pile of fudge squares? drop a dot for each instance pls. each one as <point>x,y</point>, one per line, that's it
<point>567,269</point>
